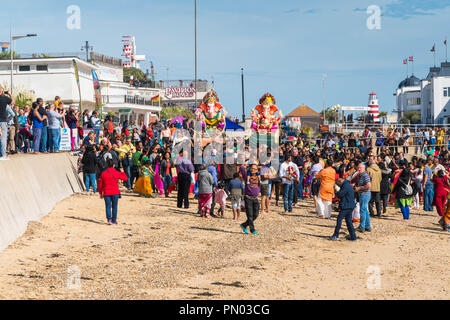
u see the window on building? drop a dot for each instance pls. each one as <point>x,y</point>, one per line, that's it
<point>447,92</point>
<point>413,101</point>
<point>24,68</point>
<point>42,67</point>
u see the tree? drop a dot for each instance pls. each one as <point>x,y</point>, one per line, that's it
<point>172,112</point>
<point>23,98</point>
<point>136,73</point>
<point>7,55</point>
<point>330,115</point>
<point>383,115</point>
<point>404,121</point>
<point>410,117</point>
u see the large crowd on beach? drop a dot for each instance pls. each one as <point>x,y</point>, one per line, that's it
<point>359,175</point>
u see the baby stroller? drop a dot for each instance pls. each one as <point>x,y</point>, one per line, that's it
<point>23,140</point>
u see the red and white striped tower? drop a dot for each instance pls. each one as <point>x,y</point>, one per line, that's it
<point>374,110</point>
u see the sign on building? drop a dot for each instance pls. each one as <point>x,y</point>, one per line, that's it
<point>179,92</point>
<point>355,108</point>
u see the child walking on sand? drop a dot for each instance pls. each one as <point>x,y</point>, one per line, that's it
<point>236,195</point>
<point>220,198</point>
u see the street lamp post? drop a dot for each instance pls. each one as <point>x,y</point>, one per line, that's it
<point>243,103</point>
<point>12,38</point>
<point>195,51</point>
<point>324,76</point>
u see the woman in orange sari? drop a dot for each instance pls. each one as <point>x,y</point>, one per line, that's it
<point>327,179</point>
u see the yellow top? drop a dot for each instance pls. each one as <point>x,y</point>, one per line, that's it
<point>124,150</point>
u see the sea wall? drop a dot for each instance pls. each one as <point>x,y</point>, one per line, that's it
<point>30,187</point>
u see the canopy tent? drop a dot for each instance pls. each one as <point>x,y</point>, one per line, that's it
<point>180,119</point>
<point>231,126</point>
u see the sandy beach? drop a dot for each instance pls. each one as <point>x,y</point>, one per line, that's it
<point>158,251</point>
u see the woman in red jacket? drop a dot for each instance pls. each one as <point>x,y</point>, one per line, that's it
<point>109,190</point>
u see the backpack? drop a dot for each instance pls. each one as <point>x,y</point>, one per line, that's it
<point>408,189</point>
<point>102,162</point>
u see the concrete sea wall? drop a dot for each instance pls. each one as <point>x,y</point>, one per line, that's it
<point>30,187</point>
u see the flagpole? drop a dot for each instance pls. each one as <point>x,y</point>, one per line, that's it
<point>446,50</point>
<point>412,67</point>
<point>407,73</point>
<point>434,53</point>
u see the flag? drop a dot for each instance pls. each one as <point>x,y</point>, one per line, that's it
<point>445,42</point>
<point>98,93</point>
<point>155,98</point>
<point>433,49</point>
<point>77,78</point>
<point>405,61</point>
<point>411,58</point>
<point>152,71</point>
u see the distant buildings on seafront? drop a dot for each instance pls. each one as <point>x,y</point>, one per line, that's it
<point>429,96</point>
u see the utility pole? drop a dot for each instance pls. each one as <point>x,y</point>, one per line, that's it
<point>243,103</point>
<point>87,48</point>
<point>324,76</point>
<point>195,51</point>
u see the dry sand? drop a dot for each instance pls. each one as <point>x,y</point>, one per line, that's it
<point>160,252</point>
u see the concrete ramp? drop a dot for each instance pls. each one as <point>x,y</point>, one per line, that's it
<point>30,187</point>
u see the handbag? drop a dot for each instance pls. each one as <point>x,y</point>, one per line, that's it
<point>173,171</point>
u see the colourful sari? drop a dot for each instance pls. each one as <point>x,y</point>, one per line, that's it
<point>144,183</point>
<point>158,183</point>
<point>204,203</point>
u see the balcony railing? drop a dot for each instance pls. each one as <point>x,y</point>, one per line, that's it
<point>111,99</point>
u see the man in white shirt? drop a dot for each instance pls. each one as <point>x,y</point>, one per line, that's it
<point>427,135</point>
<point>289,173</point>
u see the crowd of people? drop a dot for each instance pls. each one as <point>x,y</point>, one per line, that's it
<point>358,175</point>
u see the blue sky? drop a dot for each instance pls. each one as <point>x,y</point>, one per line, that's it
<point>284,46</point>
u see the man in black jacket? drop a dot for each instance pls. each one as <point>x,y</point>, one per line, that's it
<point>347,203</point>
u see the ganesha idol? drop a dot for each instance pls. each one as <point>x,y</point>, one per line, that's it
<point>211,114</point>
<point>264,115</point>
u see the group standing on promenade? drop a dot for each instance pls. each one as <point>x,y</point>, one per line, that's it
<point>338,171</point>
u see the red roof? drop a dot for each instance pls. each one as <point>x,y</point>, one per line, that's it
<point>303,111</point>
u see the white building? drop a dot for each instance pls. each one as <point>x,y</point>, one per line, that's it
<point>50,77</point>
<point>430,96</point>
<point>408,95</point>
<point>128,102</point>
<point>436,95</point>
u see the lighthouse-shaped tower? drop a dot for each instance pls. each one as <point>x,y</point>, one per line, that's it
<point>130,53</point>
<point>374,110</point>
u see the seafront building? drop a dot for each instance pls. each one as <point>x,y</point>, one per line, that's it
<point>429,96</point>
<point>47,77</point>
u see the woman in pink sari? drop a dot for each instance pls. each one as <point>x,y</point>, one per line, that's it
<point>157,180</point>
